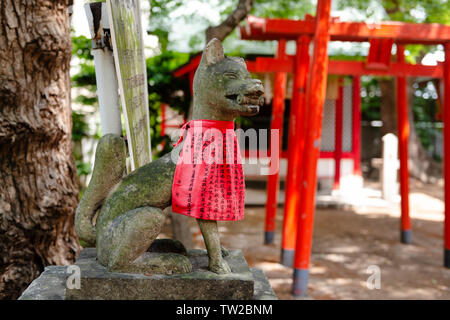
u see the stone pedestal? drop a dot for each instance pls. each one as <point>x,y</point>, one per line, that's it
<point>389,185</point>
<point>201,284</point>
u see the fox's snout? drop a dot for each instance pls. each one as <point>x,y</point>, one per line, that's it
<point>256,87</point>
<point>254,93</point>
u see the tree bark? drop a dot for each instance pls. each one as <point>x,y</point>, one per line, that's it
<point>38,191</point>
<point>232,21</point>
<point>421,165</point>
<point>388,108</point>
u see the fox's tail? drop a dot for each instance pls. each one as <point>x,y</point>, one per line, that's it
<point>109,168</point>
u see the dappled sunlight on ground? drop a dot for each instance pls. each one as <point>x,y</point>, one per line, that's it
<point>347,242</point>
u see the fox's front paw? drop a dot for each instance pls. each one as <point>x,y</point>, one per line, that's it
<point>219,267</point>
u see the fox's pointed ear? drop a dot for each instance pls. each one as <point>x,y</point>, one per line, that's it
<point>213,52</point>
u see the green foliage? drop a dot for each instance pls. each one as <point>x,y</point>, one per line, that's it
<point>423,11</point>
<point>163,87</point>
<point>283,8</point>
<point>84,78</point>
<point>83,168</point>
<point>425,114</point>
<point>163,18</point>
<point>79,128</point>
<point>81,47</point>
<point>160,21</point>
<point>425,110</point>
<point>370,99</point>
<point>424,104</point>
<point>163,38</point>
<point>418,11</point>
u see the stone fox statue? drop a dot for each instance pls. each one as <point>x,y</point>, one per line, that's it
<point>122,216</point>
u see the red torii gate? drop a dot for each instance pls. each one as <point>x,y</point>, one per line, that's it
<point>307,110</point>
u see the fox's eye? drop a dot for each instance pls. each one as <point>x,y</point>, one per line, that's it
<point>231,75</point>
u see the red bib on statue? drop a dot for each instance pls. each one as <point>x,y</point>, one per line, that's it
<point>209,181</point>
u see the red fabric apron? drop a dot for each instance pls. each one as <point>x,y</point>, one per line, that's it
<point>209,181</point>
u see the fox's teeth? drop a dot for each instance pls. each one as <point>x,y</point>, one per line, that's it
<point>247,100</point>
<point>252,100</point>
<point>261,101</point>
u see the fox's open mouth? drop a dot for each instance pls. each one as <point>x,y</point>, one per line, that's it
<point>251,101</point>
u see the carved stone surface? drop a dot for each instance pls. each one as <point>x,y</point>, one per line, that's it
<point>50,285</point>
<point>122,216</point>
<point>98,283</point>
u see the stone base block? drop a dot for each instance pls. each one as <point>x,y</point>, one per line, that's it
<point>201,284</point>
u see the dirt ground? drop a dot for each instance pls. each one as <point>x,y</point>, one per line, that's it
<point>346,242</point>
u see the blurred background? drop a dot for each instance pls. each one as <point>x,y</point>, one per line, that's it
<point>356,224</point>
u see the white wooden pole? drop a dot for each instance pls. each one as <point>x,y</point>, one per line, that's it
<point>107,90</point>
<point>105,71</point>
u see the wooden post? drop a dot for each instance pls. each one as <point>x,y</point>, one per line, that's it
<point>126,17</point>
<point>356,121</point>
<point>295,150</point>
<point>276,124</point>
<point>338,133</point>
<point>403,133</point>
<point>315,98</point>
<point>105,70</point>
<point>446,120</point>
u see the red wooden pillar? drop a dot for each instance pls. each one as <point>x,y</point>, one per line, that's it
<point>276,124</point>
<point>315,98</point>
<point>446,119</point>
<point>356,129</point>
<point>403,133</point>
<point>295,150</point>
<point>338,133</point>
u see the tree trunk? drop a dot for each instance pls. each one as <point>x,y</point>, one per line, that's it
<point>388,106</point>
<point>38,192</point>
<point>421,165</point>
<point>232,21</point>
